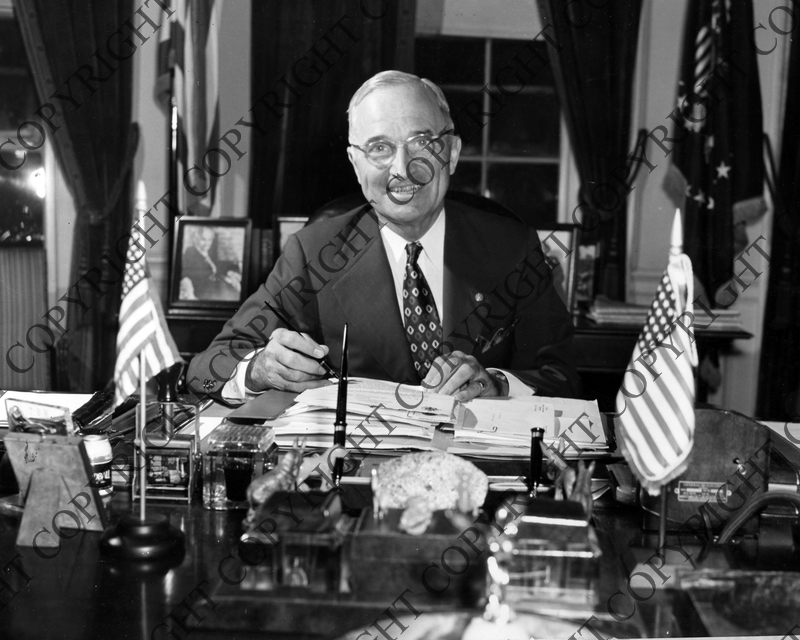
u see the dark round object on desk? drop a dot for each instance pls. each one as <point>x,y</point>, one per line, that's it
<point>132,538</point>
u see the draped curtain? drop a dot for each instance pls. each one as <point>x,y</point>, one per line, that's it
<point>94,147</point>
<point>779,370</point>
<point>594,81</point>
<point>299,160</point>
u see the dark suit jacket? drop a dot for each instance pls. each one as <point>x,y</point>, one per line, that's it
<point>499,303</point>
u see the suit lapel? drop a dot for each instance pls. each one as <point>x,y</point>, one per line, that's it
<point>367,297</point>
<point>465,258</point>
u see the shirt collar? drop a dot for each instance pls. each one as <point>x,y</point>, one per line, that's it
<point>432,243</point>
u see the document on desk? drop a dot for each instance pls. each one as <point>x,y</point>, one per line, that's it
<point>506,423</point>
<point>375,432</point>
<point>414,402</point>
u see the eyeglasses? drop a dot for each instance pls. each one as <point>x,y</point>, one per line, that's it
<point>381,153</point>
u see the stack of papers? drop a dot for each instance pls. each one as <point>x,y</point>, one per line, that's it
<point>380,416</point>
<point>501,427</point>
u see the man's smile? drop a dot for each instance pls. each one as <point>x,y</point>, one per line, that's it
<point>405,188</point>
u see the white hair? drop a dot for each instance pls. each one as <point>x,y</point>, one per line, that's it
<point>394,78</point>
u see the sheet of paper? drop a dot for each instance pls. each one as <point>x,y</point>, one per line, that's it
<point>788,430</point>
<point>508,421</point>
<point>207,425</point>
<point>413,400</point>
<point>570,417</point>
<point>507,416</point>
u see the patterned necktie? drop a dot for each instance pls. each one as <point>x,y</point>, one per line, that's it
<point>423,329</point>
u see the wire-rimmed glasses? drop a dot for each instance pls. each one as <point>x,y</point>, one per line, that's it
<point>381,153</point>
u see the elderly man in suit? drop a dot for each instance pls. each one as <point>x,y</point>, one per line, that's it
<point>434,292</point>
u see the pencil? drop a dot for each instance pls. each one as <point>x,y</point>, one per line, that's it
<point>322,361</point>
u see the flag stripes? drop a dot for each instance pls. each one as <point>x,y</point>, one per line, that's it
<point>656,400</point>
<point>142,326</point>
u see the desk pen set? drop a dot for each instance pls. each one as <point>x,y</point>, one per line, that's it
<point>304,530</point>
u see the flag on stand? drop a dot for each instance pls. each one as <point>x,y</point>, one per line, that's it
<point>717,173</point>
<point>188,80</point>
<point>142,326</point>
<point>655,404</point>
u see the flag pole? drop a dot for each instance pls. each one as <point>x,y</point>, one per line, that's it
<point>675,249</point>
<point>662,522</point>
<point>142,422</point>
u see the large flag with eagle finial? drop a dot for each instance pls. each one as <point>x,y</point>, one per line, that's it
<point>717,170</point>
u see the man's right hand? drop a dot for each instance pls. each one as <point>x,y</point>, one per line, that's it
<point>288,363</point>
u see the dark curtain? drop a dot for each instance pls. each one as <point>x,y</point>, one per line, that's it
<point>779,370</point>
<point>594,79</point>
<point>94,146</point>
<point>299,159</point>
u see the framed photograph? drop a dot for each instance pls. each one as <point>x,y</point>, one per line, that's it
<point>209,263</point>
<point>560,244</point>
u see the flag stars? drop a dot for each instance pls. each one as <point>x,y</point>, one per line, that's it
<point>723,170</point>
<point>700,198</point>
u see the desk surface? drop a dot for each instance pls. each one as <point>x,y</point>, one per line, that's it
<point>76,593</point>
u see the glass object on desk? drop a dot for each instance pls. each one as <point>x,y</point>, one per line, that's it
<point>237,454</point>
<point>38,417</point>
<point>171,445</point>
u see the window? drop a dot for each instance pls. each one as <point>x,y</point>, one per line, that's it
<point>511,155</point>
<point>21,190</point>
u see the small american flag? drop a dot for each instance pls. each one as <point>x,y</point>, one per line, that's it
<point>656,401</point>
<point>142,326</point>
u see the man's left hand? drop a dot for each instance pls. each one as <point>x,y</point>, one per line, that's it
<point>462,376</point>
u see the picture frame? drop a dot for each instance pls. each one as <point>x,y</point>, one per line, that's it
<point>210,264</point>
<point>554,238</point>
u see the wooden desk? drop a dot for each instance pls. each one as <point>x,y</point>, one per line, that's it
<point>75,593</point>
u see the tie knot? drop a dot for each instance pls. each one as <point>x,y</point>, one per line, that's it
<point>412,250</point>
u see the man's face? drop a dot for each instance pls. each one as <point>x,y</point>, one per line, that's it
<point>204,239</point>
<point>408,193</point>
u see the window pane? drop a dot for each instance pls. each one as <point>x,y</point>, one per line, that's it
<point>467,125</point>
<point>18,101</point>
<point>517,55</point>
<point>17,94</point>
<point>22,198</point>
<point>525,125</point>
<point>12,49</point>
<point>530,190</point>
<point>466,178</point>
<point>450,60</point>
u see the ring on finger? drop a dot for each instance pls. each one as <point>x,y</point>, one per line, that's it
<point>482,384</point>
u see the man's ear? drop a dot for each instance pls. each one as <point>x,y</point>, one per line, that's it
<point>351,155</point>
<point>455,153</point>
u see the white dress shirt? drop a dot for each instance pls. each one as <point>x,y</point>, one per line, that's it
<point>430,261</point>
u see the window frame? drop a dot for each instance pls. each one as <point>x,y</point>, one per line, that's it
<point>568,182</point>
